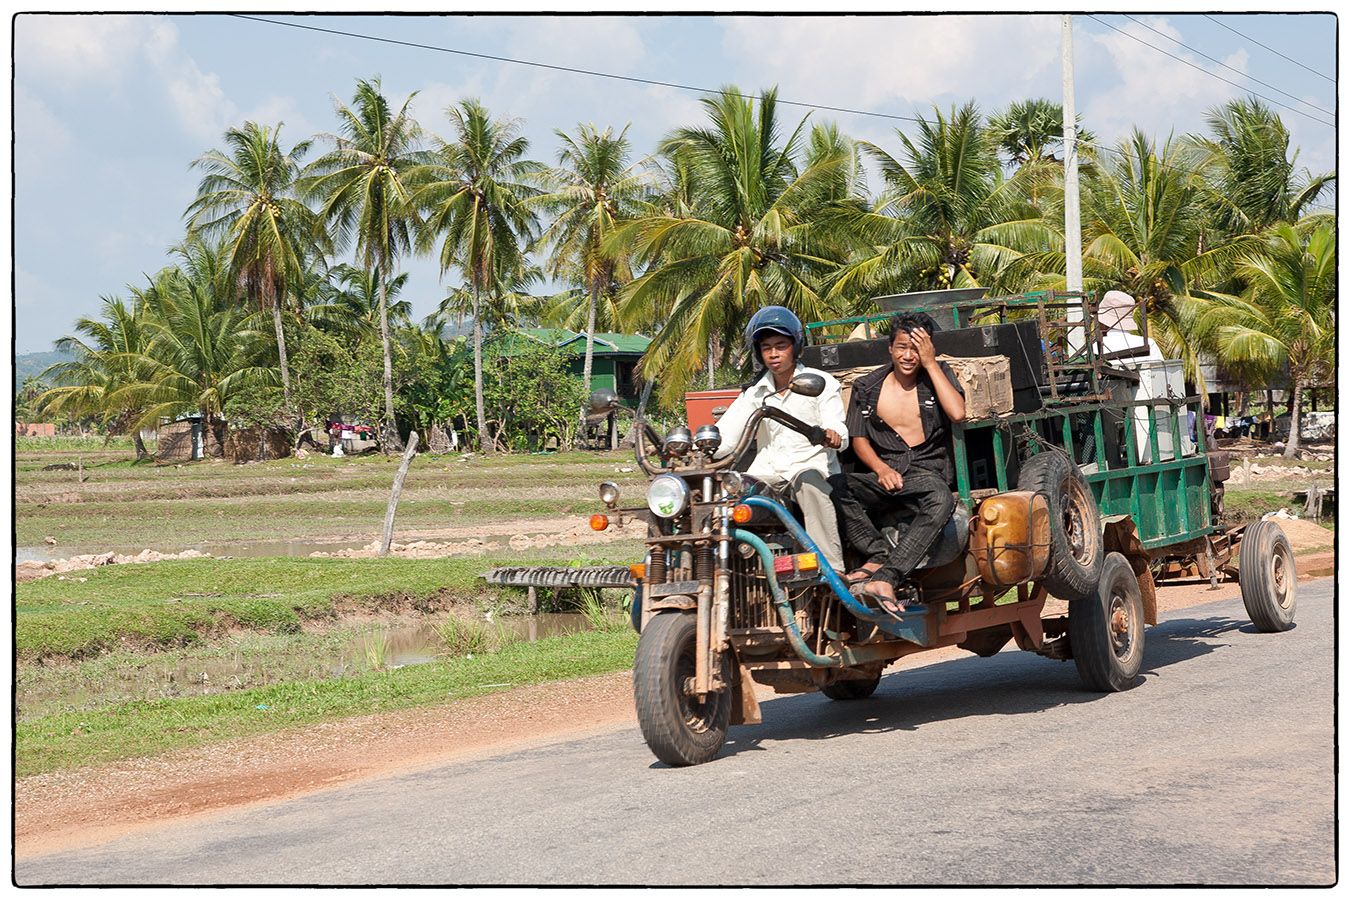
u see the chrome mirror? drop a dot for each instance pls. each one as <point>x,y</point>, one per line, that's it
<point>808,384</point>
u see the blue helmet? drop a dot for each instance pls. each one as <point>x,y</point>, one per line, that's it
<point>773,320</point>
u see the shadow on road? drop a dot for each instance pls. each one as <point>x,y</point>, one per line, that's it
<point>1008,684</point>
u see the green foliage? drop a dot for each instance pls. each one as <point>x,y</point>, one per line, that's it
<point>529,392</point>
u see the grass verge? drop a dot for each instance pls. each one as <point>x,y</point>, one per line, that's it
<point>177,603</point>
<point>144,728</point>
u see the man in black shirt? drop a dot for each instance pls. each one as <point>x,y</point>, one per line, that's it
<point>899,418</point>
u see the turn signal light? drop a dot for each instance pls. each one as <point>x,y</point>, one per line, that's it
<point>599,522</point>
<point>638,571</point>
<point>740,513</point>
<point>807,562</point>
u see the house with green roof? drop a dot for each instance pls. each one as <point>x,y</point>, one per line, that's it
<point>614,358</point>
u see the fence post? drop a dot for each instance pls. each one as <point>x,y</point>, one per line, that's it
<point>408,454</point>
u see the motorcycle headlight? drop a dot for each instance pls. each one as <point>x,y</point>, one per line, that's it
<point>609,493</point>
<point>667,496</point>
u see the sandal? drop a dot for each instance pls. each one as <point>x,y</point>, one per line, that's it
<point>893,605</point>
<point>863,573</point>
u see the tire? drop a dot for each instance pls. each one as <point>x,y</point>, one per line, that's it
<point>1075,528</point>
<point>852,689</point>
<point>1267,577</point>
<point>678,729</point>
<point>1106,630</point>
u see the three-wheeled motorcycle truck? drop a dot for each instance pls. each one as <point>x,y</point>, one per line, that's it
<point>1077,477</point>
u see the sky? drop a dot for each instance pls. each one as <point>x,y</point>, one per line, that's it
<point>109,111</point>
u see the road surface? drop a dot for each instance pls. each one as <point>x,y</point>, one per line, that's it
<point>1217,768</point>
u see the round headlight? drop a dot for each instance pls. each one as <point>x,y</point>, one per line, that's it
<point>667,496</point>
<point>677,442</point>
<point>734,482</point>
<point>609,493</point>
<point>708,439</point>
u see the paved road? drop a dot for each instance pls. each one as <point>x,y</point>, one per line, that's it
<point>1217,768</point>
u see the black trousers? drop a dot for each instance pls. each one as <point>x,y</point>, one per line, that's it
<point>860,499</point>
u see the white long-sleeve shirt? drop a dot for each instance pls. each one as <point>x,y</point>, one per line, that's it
<point>783,453</point>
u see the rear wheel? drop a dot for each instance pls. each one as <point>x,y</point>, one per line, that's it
<point>680,730</point>
<point>1106,630</point>
<point>1267,577</point>
<point>1075,530</point>
<point>852,689</point>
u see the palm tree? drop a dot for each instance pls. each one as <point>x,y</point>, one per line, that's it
<point>593,190</point>
<point>363,185</point>
<point>1252,182</point>
<point>743,230</point>
<point>949,216</point>
<point>108,353</point>
<point>350,302</point>
<point>474,192</point>
<point>247,195</point>
<point>1028,131</point>
<point>1286,316</point>
<point>202,347</point>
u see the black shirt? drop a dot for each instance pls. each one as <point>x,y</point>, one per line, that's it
<point>934,454</point>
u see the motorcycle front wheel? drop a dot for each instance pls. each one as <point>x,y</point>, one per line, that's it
<point>680,730</point>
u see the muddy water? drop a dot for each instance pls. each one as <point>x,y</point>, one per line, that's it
<point>413,644</point>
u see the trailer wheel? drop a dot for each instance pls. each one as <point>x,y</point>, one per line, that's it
<point>679,729</point>
<point>1106,630</point>
<point>1267,576</point>
<point>1075,529</point>
<point>852,689</point>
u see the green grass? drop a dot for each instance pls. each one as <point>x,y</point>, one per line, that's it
<point>142,728</point>
<point>72,443</point>
<point>121,506</point>
<point>183,602</point>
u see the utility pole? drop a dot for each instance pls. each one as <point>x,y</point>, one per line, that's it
<point>1073,229</point>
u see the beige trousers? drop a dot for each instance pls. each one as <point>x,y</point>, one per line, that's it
<point>811,492</point>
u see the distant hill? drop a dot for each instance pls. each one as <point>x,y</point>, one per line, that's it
<point>26,364</point>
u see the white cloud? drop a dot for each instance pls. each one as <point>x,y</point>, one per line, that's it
<point>78,49</point>
<point>1145,88</point>
<point>895,64</point>
<point>40,138</point>
<point>71,49</point>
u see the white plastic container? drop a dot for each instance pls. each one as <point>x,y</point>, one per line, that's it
<point>1160,380</point>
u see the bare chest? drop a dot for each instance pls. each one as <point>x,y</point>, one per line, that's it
<point>899,408</point>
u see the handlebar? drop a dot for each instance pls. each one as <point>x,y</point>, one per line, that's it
<point>813,433</point>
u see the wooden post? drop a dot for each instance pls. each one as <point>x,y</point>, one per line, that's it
<point>408,454</point>
<point>1313,508</point>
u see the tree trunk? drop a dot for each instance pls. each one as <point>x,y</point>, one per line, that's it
<point>281,355</point>
<point>390,439</point>
<point>140,444</point>
<point>402,473</point>
<point>586,367</point>
<point>711,364</point>
<point>1291,446</point>
<point>484,440</point>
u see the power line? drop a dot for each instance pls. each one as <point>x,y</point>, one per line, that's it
<point>1228,67</point>
<point>671,84</point>
<point>575,71</point>
<point>1210,74</point>
<point>1271,49</point>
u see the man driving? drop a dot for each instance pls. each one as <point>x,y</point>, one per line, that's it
<point>900,419</point>
<point>786,460</point>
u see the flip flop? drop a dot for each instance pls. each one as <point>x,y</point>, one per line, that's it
<point>862,574</point>
<point>893,606</point>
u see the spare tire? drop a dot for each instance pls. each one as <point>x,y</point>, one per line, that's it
<point>1075,529</point>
